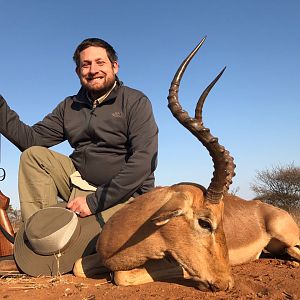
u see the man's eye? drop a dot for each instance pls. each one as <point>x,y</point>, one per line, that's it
<point>205,225</point>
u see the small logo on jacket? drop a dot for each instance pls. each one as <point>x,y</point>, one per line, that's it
<point>117,114</point>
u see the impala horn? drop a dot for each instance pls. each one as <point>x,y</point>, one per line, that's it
<point>223,162</point>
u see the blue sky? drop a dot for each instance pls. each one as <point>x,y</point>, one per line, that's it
<point>253,109</point>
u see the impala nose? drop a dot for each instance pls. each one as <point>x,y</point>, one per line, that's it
<point>224,285</point>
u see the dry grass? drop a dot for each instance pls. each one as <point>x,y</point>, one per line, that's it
<point>25,282</point>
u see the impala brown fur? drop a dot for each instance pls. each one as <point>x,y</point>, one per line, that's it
<point>166,222</point>
<point>252,227</point>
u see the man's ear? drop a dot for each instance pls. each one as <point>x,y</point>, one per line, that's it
<point>115,66</point>
<point>77,71</point>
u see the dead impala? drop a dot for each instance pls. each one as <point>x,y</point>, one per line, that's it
<point>188,223</point>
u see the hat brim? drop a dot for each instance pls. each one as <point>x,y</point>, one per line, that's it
<point>35,264</point>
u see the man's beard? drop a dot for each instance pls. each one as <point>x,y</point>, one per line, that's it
<point>94,91</point>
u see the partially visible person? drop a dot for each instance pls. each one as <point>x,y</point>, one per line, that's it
<point>111,128</point>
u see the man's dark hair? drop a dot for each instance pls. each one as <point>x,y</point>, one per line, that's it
<point>95,42</point>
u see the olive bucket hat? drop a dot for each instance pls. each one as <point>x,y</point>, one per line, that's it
<point>53,239</point>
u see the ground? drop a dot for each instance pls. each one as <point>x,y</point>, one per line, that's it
<point>262,279</point>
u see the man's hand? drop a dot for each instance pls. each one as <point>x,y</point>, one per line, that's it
<point>79,206</point>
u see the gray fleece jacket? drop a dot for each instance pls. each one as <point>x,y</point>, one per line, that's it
<point>115,144</point>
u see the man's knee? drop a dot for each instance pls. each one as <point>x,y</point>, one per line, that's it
<point>32,153</point>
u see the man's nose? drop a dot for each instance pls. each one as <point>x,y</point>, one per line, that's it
<point>94,68</point>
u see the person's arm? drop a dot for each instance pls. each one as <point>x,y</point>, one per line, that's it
<point>143,136</point>
<point>46,133</point>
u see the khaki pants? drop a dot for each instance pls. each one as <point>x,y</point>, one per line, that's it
<point>44,175</point>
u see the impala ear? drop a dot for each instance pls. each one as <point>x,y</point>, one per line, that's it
<point>178,205</point>
<point>162,218</point>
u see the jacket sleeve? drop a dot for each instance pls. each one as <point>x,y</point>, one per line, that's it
<point>143,139</point>
<point>47,132</point>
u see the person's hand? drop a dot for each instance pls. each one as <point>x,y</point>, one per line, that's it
<point>79,206</point>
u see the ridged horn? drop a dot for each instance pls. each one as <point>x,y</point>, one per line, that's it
<point>223,162</point>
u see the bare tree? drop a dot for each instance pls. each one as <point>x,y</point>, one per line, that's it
<point>279,186</point>
<point>14,216</point>
<point>234,191</point>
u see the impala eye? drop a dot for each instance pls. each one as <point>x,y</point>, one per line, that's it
<point>205,224</point>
